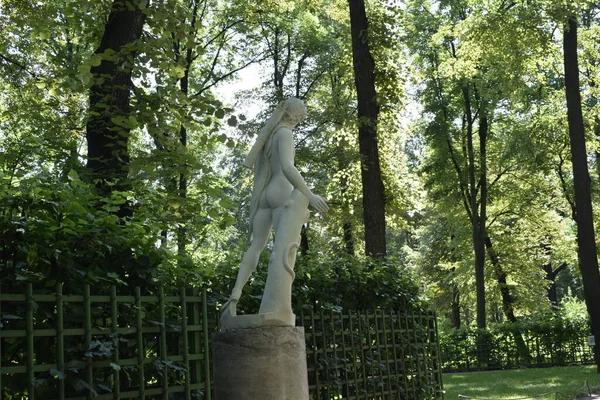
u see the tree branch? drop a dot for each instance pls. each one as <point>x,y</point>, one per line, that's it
<point>226,75</point>
<point>221,32</point>
<point>18,64</point>
<point>319,75</point>
<point>563,185</point>
<point>299,72</point>
<point>560,268</point>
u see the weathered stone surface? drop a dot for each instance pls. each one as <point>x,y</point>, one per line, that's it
<point>267,363</point>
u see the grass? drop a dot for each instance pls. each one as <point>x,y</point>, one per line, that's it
<point>523,383</point>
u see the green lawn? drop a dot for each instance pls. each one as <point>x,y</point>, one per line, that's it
<point>569,381</point>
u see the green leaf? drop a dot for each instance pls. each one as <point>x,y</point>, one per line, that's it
<point>114,366</point>
<point>96,60</point>
<point>75,365</point>
<point>104,387</point>
<point>220,113</point>
<point>57,374</point>
<point>133,123</point>
<point>177,71</point>
<point>10,316</point>
<point>73,175</point>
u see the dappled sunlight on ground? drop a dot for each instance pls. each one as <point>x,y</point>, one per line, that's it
<point>512,384</point>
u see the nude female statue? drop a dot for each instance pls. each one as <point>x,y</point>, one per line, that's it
<point>279,200</point>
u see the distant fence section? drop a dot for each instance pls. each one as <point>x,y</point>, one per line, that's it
<point>516,345</point>
<point>120,346</point>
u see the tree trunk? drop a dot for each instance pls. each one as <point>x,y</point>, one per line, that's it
<point>304,246</point>
<point>182,184</point>
<point>347,217</point>
<point>588,259</point>
<point>508,300</point>
<point>109,126</point>
<point>368,111</point>
<point>477,220</point>
<point>455,312</point>
<point>551,276</point>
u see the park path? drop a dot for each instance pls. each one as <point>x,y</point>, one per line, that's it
<point>594,396</point>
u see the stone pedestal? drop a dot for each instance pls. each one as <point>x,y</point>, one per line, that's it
<point>267,363</point>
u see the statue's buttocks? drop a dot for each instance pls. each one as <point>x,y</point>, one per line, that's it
<point>279,189</point>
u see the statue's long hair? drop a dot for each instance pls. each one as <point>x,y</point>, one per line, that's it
<point>291,110</point>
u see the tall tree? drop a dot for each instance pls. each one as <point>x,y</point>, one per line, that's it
<point>368,111</point>
<point>587,252</point>
<point>110,119</point>
<point>475,143</point>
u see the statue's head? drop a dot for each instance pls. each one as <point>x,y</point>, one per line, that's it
<point>291,111</point>
<point>295,111</point>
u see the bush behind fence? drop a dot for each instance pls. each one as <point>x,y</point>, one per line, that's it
<point>118,343</point>
<point>555,342</point>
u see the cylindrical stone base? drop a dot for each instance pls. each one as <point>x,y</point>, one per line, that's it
<point>267,363</point>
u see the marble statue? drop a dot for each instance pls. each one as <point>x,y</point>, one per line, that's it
<point>280,201</point>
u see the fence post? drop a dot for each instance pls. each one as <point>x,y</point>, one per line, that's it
<point>197,364</point>
<point>324,341</point>
<point>30,348</point>
<point>207,384</point>
<point>362,356</point>
<point>346,388</point>
<point>393,337</point>
<point>141,352</point>
<point>334,354</point>
<point>184,333</point>
<point>316,355</point>
<point>382,363</point>
<point>60,340</point>
<point>438,357</point>
<point>354,355</point>
<point>113,330</point>
<point>1,327</point>
<point>387,358</point>
<point>87,317</point>
<point>163,342</point>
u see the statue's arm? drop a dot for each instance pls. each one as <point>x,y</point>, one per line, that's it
<point>285,150</point>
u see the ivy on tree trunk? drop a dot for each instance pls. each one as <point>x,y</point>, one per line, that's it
<point>110,118</point>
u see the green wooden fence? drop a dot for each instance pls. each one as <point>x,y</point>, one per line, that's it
<point>120,346</point>
<point>57,346</point>
<point>372,355</point>
<point>554,343</point>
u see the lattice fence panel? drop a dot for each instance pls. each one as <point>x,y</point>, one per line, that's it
<point>113,346</point>
<point>372,355</point>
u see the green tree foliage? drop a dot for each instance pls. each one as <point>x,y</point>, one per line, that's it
<point>512,184</point>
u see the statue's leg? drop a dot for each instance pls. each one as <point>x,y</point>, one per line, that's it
<point>261,228</point>
<point>289,220</point>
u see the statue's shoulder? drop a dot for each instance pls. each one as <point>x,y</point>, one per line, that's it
<point>282,131</point>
